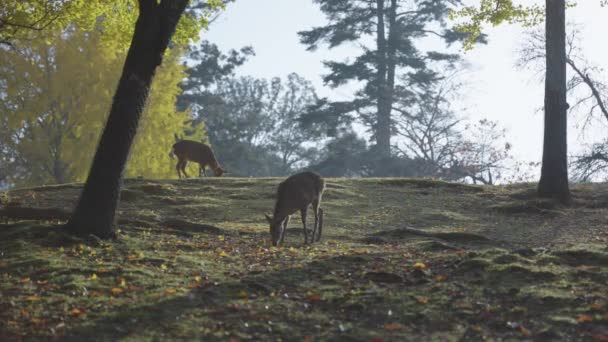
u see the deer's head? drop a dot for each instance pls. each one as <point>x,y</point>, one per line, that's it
<point>218,171</point>
<point>275,229</point>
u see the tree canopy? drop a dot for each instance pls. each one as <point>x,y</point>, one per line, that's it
<point>56,96</point>
<point>31,19</point>
<point>391,69</point>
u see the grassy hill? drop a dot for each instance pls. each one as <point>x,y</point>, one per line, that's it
<point>400,259</point>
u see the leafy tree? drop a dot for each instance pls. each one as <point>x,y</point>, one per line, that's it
<point>53,129</point>
<point>212,65</point>
<point>29,19</point>
<point>252,123</point>
<point>389,68</point>
<point>554,170</point>
<point>155,26</point>
<point>20,19</point>
<point>288,138</point>
<point>238,118</point>
<point>343,156</point>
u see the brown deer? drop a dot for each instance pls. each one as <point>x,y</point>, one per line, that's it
<point>188,150</point>
<point>296,193</point>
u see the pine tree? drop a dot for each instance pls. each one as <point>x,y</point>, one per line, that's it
<point>390,68</point>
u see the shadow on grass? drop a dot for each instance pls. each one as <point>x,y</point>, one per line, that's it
<point>274,296</point>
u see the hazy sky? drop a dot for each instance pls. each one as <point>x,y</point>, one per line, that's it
<point>496,89</point>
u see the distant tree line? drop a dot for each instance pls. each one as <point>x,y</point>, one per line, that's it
<point>260,127</point>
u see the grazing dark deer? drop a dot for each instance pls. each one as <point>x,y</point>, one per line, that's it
<point>188,150</point>
<point>297,193</point>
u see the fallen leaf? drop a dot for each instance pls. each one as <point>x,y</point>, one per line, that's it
<point>600,338</point>
<point>163,267</point>
<point>524,331</point>
<point>596,307</point>
<point>440,278</point>
<point>197,278</point>
<point>419,266</point>
<point>422,300</point>
<point>476,328</point>
<point>223,254</point>
<point>584,319</point>
<point>243,294</point>
<point>116,291</point>
<point>170,291</point>
<point>93,276</point>
<point>313,298</point>
<point>32,298</point>
<point>393,327</point>
<point>76,312</point>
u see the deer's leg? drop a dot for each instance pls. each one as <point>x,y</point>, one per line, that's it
<point>315,208</point>
<point>203,169</point>
<point>178,167</point>
<point>303,213</point>
<point>285,223</point>
<point>184,164</point>
<point>320,223</point>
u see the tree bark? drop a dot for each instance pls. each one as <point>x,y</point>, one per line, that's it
<point>95,211</point>
<point>383,127</point>
<point>554,170</point>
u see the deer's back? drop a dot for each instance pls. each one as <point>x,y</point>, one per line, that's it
<point>193,151</point>
<point>298,191</point>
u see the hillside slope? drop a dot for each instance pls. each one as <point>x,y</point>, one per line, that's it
<point>399,259</point>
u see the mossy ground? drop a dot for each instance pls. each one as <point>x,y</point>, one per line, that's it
<point>400,259</point>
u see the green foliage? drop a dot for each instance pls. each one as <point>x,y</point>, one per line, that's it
<point>495,12</point>
<point>253,123</point>
<point>57,96</point>
<point>391,70</point>
<point>41,18</point>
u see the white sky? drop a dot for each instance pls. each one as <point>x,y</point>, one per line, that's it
<point>496,89</point>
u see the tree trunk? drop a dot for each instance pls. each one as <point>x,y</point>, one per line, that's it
<point>554,171</point>
<point>94,213</point>
<point>383,127</point>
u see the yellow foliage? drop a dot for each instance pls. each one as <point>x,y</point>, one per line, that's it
<point>58,96</point>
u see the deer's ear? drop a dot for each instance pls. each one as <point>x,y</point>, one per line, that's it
<point>268,218</point>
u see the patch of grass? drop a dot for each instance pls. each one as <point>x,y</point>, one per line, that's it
<point>193,261</point>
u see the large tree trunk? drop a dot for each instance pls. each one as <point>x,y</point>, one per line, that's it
<point>94,213</point>
<point>383,127</point>
<point>554,171</point>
